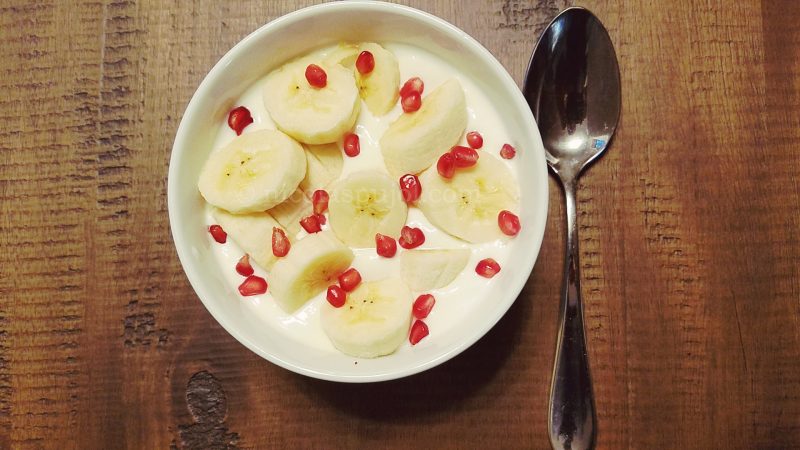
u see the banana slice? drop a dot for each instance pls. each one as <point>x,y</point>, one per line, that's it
<point>311,266</point>
<point>467,205</point>
<point>425,270</point>
<point>324,165</point>
<point>374,320</point>
<point>343,54</point>
<point>252,232</point>
<point>309,114</point>
<point>255,172</point>
<point>289,213</point>
<point>366,203</point>
<point>380,88</point>
<point>415,140</point>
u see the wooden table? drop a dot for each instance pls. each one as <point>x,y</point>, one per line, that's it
<point>689,234</point>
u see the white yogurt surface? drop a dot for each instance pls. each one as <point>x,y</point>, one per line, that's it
<point>456,301</point>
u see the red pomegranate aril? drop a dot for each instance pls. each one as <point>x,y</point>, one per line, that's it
<point>464,156</point>
<point>280,243</point>
<point>423,306</point>
<point>508,222</point>
<point>316,76</point>
<point>239,118</point>
<point>218,233</point>
<point>487,268</point>
<point>253,285</point>
<point>386,246</point>
<point>365,62</point>
<point>243,267</point>
<point>411,102</point>
<point>446,166</point>
<point>474,139</point>
<point>320,199</point>
<point>411,237</point>
<point>418,331</point>
<point>311,224</point>
<point>507,152</point>
<point>411,188</point>
<point>412,85</point>
<point>349,279</point>
<point>336,296</point>
<point>352,144</point>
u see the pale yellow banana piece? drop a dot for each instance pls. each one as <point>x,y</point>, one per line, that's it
<point>313,263</point>
<point>253,173</point>
<point>252,232</point>
<point>366,203</point>
<point>425,270</point>
<point>324,166</point>
<point>289,213</point>
<point>467,205</point>
<point>379,88</point>
<point>416,140</point>
<point>309,114</point>
<point>374,320</point>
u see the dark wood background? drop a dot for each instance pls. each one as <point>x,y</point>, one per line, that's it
<point>689,234</point>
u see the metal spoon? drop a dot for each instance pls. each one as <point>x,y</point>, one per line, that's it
<point>572,87</point>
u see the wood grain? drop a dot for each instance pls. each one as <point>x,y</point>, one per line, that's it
<point>689,235</point>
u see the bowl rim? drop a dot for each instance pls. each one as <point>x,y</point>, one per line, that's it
<point>179,144</point>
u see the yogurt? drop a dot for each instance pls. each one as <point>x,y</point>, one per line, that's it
<point>454,302</point>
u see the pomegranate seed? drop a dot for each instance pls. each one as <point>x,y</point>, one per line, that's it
<point>418,331</point>
<point>385,245</point>
<point>411,102</point>
<point>311,224</point>
<point>423,306</point>
<point>474,139</point>
<point>412,85</point>
<point>509,223</point>
<point>316,76</point>
<point>243,267</point>
<point>336,296</point>
<point>349,279</point>
<point>320,199</point>
<point>464,156</point>
<point>365,62</point>
<point>239,118</point>
<point>507,152</point>
<point>218,233</point>
<point>253,285</point>
<point>409,185</point>
<point>446,165</point>
<point>487,268</point>
<point>411,237</point>
<point>280,243</point>
<point>352,144</point>
<point>321,219</point>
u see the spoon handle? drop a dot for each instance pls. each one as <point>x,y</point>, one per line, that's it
<point>572,418</point>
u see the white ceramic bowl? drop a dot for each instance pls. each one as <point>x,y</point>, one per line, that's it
<point>293,35</point>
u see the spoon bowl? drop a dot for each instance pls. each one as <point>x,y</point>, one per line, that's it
<point>572,87</point>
